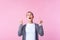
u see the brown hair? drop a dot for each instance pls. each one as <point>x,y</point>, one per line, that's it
<point>31,13</point>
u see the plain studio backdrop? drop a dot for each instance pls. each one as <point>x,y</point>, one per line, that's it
<point>11,11</point>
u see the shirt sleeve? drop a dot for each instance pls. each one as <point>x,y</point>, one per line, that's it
<point>20,29</point>
<point>40,29</point>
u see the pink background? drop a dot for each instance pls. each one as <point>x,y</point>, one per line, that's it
<point>11,11</point>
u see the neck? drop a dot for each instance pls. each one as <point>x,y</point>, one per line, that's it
<point>30,22</point>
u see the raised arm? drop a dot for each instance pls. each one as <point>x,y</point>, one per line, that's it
<point>40,28</point>
<point>20,28</point>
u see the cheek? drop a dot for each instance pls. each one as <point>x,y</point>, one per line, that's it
<point>27,16</point>
<point>32,16</point>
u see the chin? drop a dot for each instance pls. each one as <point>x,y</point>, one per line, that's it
<point>29,20</point>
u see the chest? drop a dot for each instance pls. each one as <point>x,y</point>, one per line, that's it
<point>30,28</point>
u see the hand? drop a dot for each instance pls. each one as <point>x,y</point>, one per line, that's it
<point>40,22</point>
<point>21,21</point>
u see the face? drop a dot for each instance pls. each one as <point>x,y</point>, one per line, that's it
<point>29,17</point>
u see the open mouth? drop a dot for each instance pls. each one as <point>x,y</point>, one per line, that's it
<point>30,18</point>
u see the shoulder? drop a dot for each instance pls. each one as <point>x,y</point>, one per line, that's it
<point>36,24</point>
<point>24,25</point>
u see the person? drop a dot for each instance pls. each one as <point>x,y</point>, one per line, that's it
<point>30,30</point>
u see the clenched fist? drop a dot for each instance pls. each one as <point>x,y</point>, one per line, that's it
<point>40,21</point>
<point>21,21</point>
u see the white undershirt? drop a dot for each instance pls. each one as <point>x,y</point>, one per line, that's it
<point>30,31</point>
